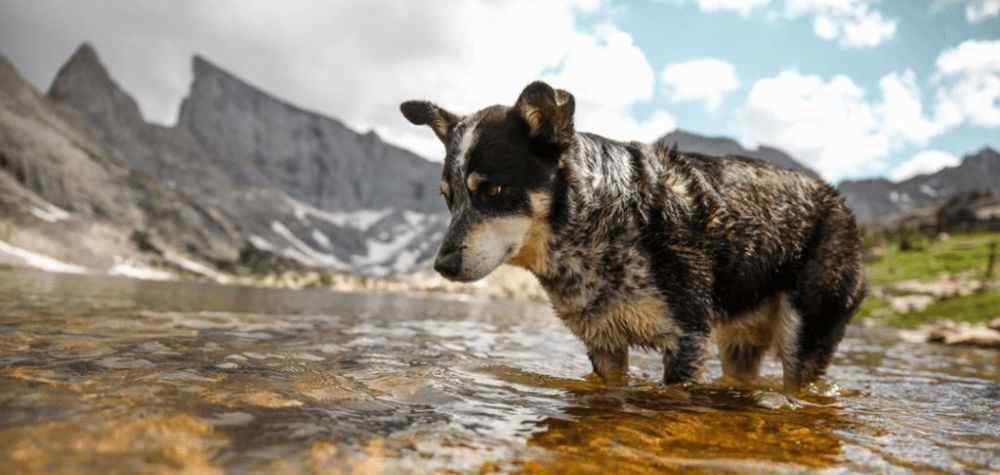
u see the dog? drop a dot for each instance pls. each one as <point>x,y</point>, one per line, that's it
<point>644,246</point>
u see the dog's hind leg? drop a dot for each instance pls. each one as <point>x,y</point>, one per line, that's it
<point>829,289</point>
<point>743,342</point>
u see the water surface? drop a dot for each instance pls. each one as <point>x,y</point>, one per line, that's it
<point>103,375</point>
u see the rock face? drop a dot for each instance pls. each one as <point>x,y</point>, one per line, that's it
<point>875,199</point>
<point>240,169</point>
<point>722,146</point>
<point>263,142</point>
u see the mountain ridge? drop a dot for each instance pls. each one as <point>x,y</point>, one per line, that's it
<point>872,199</point>
<point>265,173</point>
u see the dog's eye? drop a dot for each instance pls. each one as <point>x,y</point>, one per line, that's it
<point>492,190</point>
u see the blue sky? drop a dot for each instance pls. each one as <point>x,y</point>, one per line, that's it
<point>852,88</point>
<point>762,42</point>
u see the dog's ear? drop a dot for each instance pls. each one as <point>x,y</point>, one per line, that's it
<point>548,113</point>
<point>427,113</point>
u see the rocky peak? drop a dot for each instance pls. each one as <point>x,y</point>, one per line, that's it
<point>263,141</point>
<point>84,83</point>
<point>12,84</point>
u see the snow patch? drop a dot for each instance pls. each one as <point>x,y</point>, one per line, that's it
<point>303,252</point>
<point>380,251</point>
<point>197,268</point>
<point>928,190</point>
<point>39,261</point>
<point>321,238</point>
<point>135,271</point>
<point>50,213</point>
<point>360,220</point>
<point>261,243</point>
<point>897,197</point>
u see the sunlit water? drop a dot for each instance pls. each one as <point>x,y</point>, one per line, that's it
<point>102,375</point>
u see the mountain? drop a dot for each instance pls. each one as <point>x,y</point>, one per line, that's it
<point>878,198</point>
<point>240,170</point>
<point>722,146</point>
<point>63,194</point>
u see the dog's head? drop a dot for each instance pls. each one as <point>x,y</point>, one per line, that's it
<point>498,176</point>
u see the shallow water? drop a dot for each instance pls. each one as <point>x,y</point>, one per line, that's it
<point>102,375</point>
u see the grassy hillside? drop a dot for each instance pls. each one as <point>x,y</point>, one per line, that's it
<point>962,257</point>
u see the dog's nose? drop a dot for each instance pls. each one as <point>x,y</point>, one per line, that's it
<point>448,264</point>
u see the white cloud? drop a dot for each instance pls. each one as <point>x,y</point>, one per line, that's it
<point>852,22</point>
<point>902,113</point>
<point>831,125</point>
<point>969,83</point>
<point>355,60</point>
<point>608,74</point>
<point>707,80</point>
<point>827,124</point>
<point>743,7</point>
<point>927,161</point>
<point>980,10</point>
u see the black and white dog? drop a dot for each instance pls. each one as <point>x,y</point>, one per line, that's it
<point>645,247</point>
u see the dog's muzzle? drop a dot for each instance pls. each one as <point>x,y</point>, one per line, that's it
<point>449,264</point>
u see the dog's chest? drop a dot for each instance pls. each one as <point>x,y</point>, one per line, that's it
<point>611,302</point>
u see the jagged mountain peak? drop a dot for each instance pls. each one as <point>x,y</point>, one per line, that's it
<point>84,65</point>
<point>84,83</point>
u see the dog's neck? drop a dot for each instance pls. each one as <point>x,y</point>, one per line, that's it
<point>599,195</point>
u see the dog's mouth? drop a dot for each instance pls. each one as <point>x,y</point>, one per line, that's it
<point>464,275</point>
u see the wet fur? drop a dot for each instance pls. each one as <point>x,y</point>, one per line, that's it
<point>646,247</point>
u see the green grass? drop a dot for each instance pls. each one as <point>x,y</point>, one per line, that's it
<point>960,253</point>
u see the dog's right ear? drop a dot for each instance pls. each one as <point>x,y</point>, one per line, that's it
<point>548,113</point>
<point>426,113</point>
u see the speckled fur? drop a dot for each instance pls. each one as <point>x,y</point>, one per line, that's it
<point>650,248</point>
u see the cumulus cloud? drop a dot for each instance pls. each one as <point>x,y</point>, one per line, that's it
<point>902,113</point>
<point>707,80</point>
<point>342,58</point>
<point>853,23</point>
<point>968,78</point>
<point>981,10</point>
<point>743,7</point>
<point>833,126</point>
<point>608,74</point>
<point>827,124</point>
<point>927,161</point>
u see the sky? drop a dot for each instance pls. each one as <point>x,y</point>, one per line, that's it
<point>852,88</point>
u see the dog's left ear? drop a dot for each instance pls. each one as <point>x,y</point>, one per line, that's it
<point>548,113</point>
<point>427,113</point>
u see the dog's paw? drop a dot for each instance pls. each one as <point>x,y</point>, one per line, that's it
<point>776,401</point>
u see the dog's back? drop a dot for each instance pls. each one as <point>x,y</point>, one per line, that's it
<point>785,254</point>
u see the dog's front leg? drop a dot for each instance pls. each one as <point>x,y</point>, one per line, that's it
<point>610,365</point>
<point>684,357</point>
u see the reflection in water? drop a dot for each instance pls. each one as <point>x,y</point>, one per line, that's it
<point>101,375</point>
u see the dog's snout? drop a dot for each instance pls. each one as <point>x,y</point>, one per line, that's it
<point>448,264</point>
